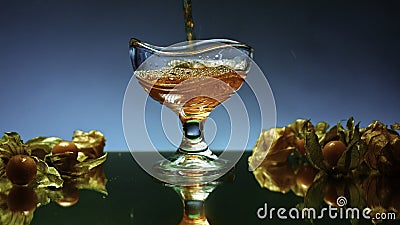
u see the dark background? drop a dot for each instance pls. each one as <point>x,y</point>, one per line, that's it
<point>64,65</point>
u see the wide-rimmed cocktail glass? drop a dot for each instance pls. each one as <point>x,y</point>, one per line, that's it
<point>191,78</point>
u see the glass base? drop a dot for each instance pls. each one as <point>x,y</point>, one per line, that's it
<point>186,168</point>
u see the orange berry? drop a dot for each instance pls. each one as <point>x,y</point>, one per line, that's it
<point>332,152</point>
<point>66,147</point>
<point>21,169</point>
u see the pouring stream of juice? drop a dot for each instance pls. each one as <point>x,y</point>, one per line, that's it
<point>189,24</point>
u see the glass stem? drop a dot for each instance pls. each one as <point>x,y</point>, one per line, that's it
<point>193,138</point>
<point>193,213</point>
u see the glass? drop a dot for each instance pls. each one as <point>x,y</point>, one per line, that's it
<point>191,78</point>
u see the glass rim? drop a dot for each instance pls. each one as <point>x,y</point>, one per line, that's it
<point>189,47</point>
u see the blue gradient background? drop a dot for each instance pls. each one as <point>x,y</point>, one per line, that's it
<point>64,65</point>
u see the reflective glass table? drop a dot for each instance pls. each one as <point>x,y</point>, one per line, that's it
<point>136,198</point>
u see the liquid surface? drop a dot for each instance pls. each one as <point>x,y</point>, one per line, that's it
<point>192,90</point>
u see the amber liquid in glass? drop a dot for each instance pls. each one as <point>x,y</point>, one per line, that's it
<point>191,92</point>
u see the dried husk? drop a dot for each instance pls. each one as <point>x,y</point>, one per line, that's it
<point>273,147</point>
<point>382,194</point>
<point>91,143</point>
<point>383,152</point>
<point>278,178</point>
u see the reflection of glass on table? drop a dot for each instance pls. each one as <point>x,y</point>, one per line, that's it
<point>193,198</point>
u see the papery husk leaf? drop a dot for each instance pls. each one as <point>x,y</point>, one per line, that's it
<point>382,194</point>
<point>350,130</point>
<point>278,178</point>
<point>355,136</point>
<point>3,201</point>
<point>298,127</point>
<point>356,197</point>
<point>342,133</point>
<point>89,164</point>
<point>5,153</point>
<point>331,135</point>
<point>42,146</point>
<point>260,150</point>
<point>388,162</point>
<point>349,159</point>
<point>355,150</point>
<point>395,126</point>
<point>315,194</point>
<point>314,151</point>
<point>15,218</point>
<point>350,123</point>
<point>95,180</point>
<point>72,167</point>
<point>5,216</point>
<point>355,200</point>
<point>81,157</point>
<point>383,152</point>
<point>91,143</point>
<point>5,185</point>
<point>362,149</point>
<point>11,144</point>
<point>64,162</point>
<point>2,168</point>
<point>46,176</point>
<point>272,147</point>
<point>320,130</point>
<point>45,195</point>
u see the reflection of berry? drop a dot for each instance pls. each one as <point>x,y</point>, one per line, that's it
<point>21,169</point>
<point>332,152</point>
<point>66,147</point>
<point>22,199</point>
<point>395,202</point>
<point>382,192</point>
<point>331,195</point>
<point>299,144</point>
<point>70,195</point>
<point>305,176</point>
